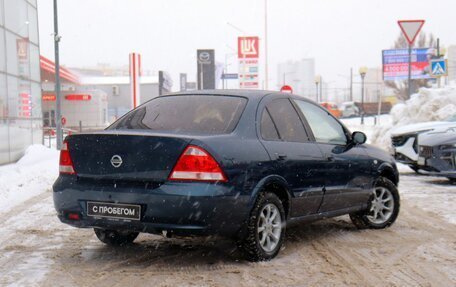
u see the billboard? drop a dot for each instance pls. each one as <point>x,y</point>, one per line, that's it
<point>206,69</point>
<point>248,54</point>
<point>395,64</point>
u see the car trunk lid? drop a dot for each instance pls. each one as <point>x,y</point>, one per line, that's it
<point>125,155</point>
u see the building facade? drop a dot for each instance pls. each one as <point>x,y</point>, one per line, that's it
<point>20,89</point>
<point>300,75</point>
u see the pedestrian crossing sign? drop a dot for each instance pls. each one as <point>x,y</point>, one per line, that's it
<point>439,68</point>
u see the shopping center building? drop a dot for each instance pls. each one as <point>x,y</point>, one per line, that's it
<point>20,89</point>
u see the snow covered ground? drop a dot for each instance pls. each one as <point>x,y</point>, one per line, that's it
<point>33,174</point>
<point>37,250</point>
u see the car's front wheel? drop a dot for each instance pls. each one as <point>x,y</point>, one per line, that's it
<point>115,237</point>
<point>383,207</point>
<point>266,228</point>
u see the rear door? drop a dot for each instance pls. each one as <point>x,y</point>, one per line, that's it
<point>294,157</point>
<point>347,169</point>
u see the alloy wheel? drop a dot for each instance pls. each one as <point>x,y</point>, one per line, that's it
<point>382,206</point>
<point>269,227</point>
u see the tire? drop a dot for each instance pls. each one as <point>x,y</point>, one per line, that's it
<point>452,180</point>
<point>415,168</point>
<point>378,206</point>
<point>114,237</point>
<point>265,233</point>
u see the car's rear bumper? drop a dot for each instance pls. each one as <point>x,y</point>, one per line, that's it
<point>182,208</point>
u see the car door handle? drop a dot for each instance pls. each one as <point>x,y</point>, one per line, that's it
<point>281,156</point>
<point>329,158</point>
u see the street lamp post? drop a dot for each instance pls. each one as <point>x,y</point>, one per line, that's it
<point>317,81</point>
<point>58,113</point>
<point>362,73</point>
<point>285,75</point>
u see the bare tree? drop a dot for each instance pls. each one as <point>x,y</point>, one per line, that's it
<point>400,87</point>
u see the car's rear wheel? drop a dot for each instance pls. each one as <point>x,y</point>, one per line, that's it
<point>266,228</point>
<point>115,237</point>
<point>383,207</point>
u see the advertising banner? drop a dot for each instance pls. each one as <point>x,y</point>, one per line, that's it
<point>248,56</point>
<point>395,64</point>
<point>206,69</point>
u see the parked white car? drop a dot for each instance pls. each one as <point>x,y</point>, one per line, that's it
<point>405,139</point>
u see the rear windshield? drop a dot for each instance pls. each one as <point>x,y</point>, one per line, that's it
<point>189,114</point>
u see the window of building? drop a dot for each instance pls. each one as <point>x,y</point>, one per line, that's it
<point>36,100</point>
<point>33,24</point>
<point>34,62</point>
<point>1,13</point>
<point>2,51</point>
<point>13,96</point>
<point>16,17</point>
<point>3,97</point>
<point>11,51</point>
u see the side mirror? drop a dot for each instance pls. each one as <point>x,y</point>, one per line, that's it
<point>359,137</point>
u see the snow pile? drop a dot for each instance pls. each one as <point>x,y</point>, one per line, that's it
<point>429,104</point>
<point>33,174</point>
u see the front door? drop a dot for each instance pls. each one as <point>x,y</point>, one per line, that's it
<point>346,168</point>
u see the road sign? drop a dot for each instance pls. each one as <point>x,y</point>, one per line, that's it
<point>410,28</point>
<point>439,68</point>
<point>229,76</point>
<point>286,89</point>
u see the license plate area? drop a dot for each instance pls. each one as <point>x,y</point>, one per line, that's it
<point>113,210</point>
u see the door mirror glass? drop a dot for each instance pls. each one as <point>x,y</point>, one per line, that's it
<point>359,137</point>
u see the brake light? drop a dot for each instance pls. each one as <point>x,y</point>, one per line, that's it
<point>66,164</point>
<point>197,164</point>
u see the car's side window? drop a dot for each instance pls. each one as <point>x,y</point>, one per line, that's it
<point>287,121</point>
<point>268,130</point>
<point>324,127</point>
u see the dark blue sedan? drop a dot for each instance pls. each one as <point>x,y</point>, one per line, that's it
<point>241,164</point>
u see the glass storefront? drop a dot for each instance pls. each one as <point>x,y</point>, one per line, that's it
<point>20,88</point>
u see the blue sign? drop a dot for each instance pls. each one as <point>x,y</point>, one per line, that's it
<point>229,76</point>
<point>439,68</point>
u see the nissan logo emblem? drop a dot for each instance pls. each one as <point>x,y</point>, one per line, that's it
<point>116,161</point>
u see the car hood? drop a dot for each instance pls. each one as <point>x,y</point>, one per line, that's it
<point>414,128</point>
<point>430,139</point>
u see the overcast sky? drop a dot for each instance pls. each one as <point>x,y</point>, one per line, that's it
<point>339,34</point>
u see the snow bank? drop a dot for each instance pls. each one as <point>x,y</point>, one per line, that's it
<point>429,104</point>
<point>33,174</point>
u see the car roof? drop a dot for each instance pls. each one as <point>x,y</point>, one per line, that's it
<point>255,95</point>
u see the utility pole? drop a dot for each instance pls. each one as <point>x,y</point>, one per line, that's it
<point>351,84</point>
<point>321,89</point>
<point>438,57</point>
<point>58,111</point>
<point>266,76</point>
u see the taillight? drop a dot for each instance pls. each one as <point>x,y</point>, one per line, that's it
<point>66,164</point>
<point>197,164</point>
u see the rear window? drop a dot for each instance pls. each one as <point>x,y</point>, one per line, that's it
<point>186,114</point>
